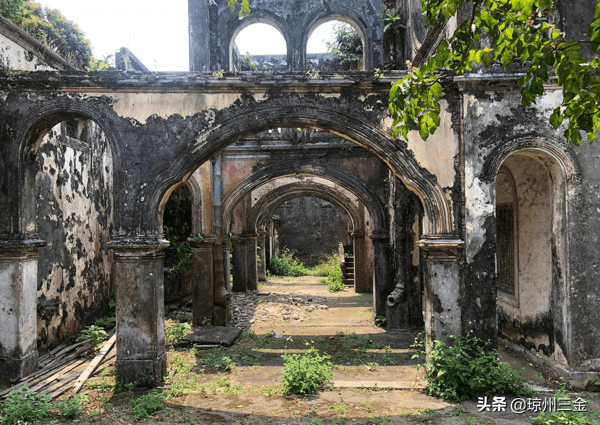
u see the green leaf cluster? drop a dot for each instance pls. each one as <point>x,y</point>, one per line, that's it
<point>306,374</point>
<point>24,406</point>
<point>460,370</point>
<point>244,7</point>
<point>286,265</point>
<point>52,28</point>
<point>176,333</point>
<point>503,31</point>
<point>346,45</point>
<point>95,334</point>
<point>147,405</point>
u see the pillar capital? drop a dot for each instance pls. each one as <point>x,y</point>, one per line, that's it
<point>357,234</point>
<point>23,247</point>
<point>442,248</point>
<point>204,244</point>
<point>137,248</point>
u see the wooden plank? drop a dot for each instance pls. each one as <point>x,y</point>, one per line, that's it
<point>94,364</point>
<point>57,375</point>
<point>61,386</point>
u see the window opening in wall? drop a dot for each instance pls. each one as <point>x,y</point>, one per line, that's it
<point>335,45</point>
<point>259,47</point>
<point>505,230</point>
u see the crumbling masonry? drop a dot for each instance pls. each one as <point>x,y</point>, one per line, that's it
<point>490,226</point>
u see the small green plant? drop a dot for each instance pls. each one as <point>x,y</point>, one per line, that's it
<point>460,369</point>
<point>286,265</point>
<point>392,21</point>
<point>381,321</point>
<point>457,411</point>
<point>219,74</point>
<point>176,333</point>
<point>199,237</point>
<point>248,64</point>
<point>389,358</point>
<point>335,280</point>
<point>216,358</point>
<point>206,322</point>
<point>346,46</point>
<point>312,74</point>
<point>71,407</point>
<point>305,374</point>
<point>378,74</point>
<point>339,408</point>
<point>102,64</point>
<point>24,406</point>
<point>598,381</point>
<point>95,335</point>
<point>94,415</point>
<point>147,405</point>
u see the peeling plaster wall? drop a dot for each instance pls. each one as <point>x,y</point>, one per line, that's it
<point>17,58</point>
<point>75,218</point>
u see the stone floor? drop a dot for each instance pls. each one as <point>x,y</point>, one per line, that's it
<point>285,316</point>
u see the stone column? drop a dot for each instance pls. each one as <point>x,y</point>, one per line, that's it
<point>138,280</point>
<point>362,284</point>
<point>240,264</point>
<point>262,254</point>
<point>442,286</point>
<point>204,279</point>
<point>18,308</point>
<point>382,278</point>
<point>251,268</point>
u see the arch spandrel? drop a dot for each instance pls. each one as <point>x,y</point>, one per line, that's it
<point>294,113</point>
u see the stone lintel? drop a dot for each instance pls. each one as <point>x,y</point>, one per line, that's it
<point>207,244</point>
<point>138,249</point>
<point>12,249</point>
<point>380,236</point>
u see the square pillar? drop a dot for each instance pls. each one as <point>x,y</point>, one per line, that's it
<point>204,279</point>
<point>252,267</point>
<point>239,265</point>
<point>262,254</point>
<point>18,308</point>
<point>442,287</point>
<point>382,277</point>
<point>362,284</point>
<point>139,284</point>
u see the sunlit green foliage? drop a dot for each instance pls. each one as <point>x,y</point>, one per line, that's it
<point>519,31</point>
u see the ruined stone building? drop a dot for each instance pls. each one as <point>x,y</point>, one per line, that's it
<point>490,226</point>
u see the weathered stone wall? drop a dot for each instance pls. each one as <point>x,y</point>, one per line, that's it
<point>311,227</point>
<point>75,209</point>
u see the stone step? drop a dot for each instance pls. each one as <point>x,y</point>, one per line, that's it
<point>348,282</point>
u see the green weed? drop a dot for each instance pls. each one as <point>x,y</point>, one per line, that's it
<point>176,333</point>
<point>71,407</point>
<point>216,358</point>
<point>95,335</point>
<point>304,374</point>
<point>460,369</point>
<point>147,405</point>
<point>24,406</point>
<point>286,265</point>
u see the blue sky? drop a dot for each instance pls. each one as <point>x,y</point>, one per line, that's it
<point>158,34</point>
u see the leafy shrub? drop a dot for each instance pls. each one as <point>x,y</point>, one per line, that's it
<point>346,45</point>
<point>146,405</point>
<point>286,265</point>
<point>305,374</point>
<point>71,407</point>
<point>177,331</point>
<point>326,265</point>
<point>95,334</point>
<point>23,406</point>
<point>461,370</point>
<point>335,280</point>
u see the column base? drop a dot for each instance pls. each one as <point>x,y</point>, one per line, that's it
<point>144,372</point>
<point>11,369</point>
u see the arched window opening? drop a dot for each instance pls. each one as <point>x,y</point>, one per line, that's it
<point>258,47</point>
<point>507,237</point>
<point>335,45</point>
<point>177,227</point>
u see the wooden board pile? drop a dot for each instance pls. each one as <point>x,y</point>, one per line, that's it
<point>67,368</point>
